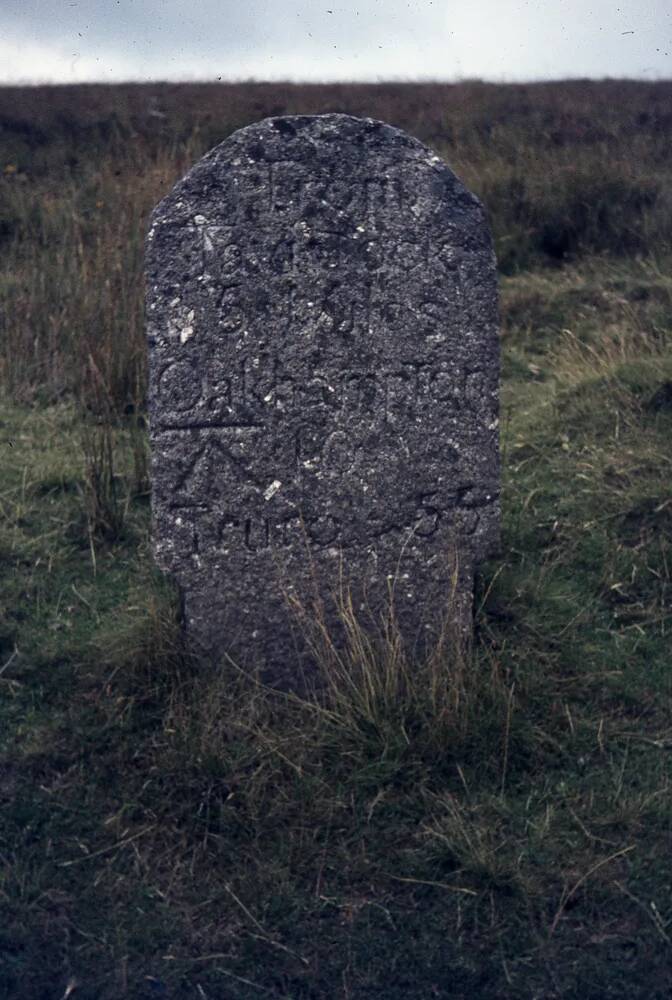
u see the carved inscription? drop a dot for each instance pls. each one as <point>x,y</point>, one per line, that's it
<point>259,386</point>
<point>220,533</point>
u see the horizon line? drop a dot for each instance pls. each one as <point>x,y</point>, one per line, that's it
<point>380,81</point>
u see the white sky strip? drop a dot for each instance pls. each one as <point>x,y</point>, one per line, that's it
<point>68,41</point>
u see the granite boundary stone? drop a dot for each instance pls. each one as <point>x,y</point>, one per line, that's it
<point>322,324</point>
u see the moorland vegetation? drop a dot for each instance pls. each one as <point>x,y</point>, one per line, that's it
<point>492,823</point>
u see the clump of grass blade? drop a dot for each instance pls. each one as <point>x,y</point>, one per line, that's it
<point>373,689</point>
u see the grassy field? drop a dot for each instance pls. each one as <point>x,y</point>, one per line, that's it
<point>491,826</point>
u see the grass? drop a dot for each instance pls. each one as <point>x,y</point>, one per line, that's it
<point>493,822</point>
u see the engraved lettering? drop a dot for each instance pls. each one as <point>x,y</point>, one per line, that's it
<point>179,386</point>
<point>401,394</point>
<point>283,257</point>
<point>323,530</point>
<point>286,188</point>
<point>309,444</point>
<point>384,196</point>
<point>428,516</point>
<point>339,452</point>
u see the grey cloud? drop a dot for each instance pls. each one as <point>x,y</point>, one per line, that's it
<point>218,26</point>
<point>321,39</point>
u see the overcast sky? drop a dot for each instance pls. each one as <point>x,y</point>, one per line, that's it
<point>67,41</point>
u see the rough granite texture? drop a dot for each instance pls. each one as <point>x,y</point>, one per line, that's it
<point>324,372</point>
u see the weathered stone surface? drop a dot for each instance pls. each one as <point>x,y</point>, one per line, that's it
<point>324,372</point>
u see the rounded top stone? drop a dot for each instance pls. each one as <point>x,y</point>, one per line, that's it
<point>358,147</point>
<point>323,332</point>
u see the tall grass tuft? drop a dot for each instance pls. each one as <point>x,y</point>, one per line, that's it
<point>370,688</point>
<point>105,509</point>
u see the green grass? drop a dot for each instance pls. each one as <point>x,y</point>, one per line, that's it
<point>487,825</point>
